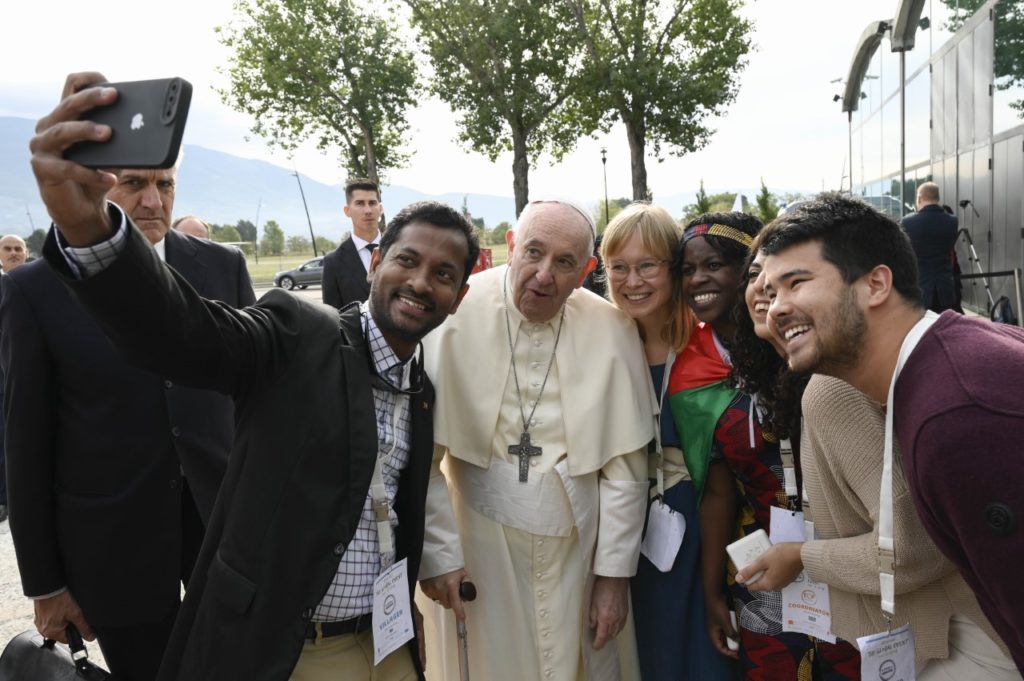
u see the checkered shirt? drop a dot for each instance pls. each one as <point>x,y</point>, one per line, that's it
<point>91,260</point>
<point>351,592</point>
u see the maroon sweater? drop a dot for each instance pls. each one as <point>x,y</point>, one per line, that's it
<point>959,419</point>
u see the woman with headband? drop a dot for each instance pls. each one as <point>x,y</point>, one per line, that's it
<point>638,248</point>
<point>716,247</point>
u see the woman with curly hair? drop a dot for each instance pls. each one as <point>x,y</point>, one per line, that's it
<point>750,423</point>
<point>638,247</point>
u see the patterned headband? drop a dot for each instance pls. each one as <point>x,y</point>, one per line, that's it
<point>718,230</point>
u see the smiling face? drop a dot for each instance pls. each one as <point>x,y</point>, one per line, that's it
<point>710,284</point>
<point>757,299</point>
<point>147,196</point>
<point>549,256</point>
<point>417,283</point>
<point>814,313</point>
<point>644,298</point>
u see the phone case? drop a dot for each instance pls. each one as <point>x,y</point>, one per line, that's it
<point>147,120</point>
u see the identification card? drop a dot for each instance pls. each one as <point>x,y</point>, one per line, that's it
<point>665,531</point>
<point>888,656</point>
<point>786,525</point>
<point>392,612</point>
<point>806,608</point>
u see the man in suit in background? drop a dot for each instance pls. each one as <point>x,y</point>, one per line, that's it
<point>193,226</point>
<point>113,470</point>
<point>932,234</point>
<point>12,254</point>
<point>345,268</point>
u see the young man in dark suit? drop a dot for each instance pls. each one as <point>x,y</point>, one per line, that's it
<point>113,470</point>
<point>286,578</point>
<point>345,268</point>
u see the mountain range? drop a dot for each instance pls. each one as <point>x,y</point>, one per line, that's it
<point>223,189</point>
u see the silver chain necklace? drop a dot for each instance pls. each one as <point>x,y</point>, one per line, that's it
<point>524,450</point>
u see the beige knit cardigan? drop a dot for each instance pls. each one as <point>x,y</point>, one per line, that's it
<point>841,457</point>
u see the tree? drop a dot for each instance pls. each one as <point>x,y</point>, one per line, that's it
<point>246,230</point>
<point>273,239</point>
<point>225,234</point>
<point>325,70</point>
<point>663,68</point>
<point>615,207</point>
<point>512,71</point>
<point>34,242</point>
<point>324,245</point>
<point>299,244</point>
<point>767,206</point>
<point>496,236</point>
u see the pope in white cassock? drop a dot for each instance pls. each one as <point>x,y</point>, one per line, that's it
<point>543,416</point>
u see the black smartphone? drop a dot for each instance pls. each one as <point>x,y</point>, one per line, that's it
<point>147,122</point>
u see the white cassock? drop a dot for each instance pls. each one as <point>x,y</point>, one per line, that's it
<point>533,548</point>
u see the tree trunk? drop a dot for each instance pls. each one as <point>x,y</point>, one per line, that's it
<point>637,143</point>
<point>520,169</point>
<point>371,156</point>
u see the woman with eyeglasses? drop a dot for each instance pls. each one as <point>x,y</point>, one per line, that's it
<point>668,598</point>
<point>751,461</point>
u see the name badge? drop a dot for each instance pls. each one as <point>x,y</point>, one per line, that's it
<point>392,612</point>
<point>786,525</point>
<point>806,608</point>
<point>665,531</point>
<point>888,656</point>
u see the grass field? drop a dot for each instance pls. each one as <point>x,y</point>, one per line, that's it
<point>269,265</point>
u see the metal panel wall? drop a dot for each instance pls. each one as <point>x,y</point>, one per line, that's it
<point>965,93</point>
<point>949,104</point>
<point>984,55</point>
<point>938,118</point>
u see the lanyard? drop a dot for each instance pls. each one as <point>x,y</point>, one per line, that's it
<point>378,492</point>
<point>669,361</point>
<point>886,545</point>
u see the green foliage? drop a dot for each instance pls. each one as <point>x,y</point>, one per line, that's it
<point>326,70</point>
<point>615,207</point>
<point>767,205</point>
<point>663,68</point>
<point>247,230</point>
<point>225,233</point>
<point>298,244</point>
<point>512,71</point>
<point>273,239</point>
<point>496,236</point>
<point>34,242</point>
<point>324,245</point>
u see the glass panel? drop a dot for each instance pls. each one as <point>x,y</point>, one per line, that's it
<point>871,87</point>
<point>949,103</point>
<point>871,152</point>
<point>917,135</point>
<point>935,107</point>
<point>889,68</point>
<point>965,92</point>
<point>891,137</point>
<point>982,81</point>
<point>1008,100</point>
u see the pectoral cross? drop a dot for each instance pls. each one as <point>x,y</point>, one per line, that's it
<point>524,450</point>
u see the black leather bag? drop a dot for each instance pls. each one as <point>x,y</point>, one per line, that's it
<point>30,657</point>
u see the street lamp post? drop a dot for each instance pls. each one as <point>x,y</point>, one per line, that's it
<point>308,221</point>
<point>604,168</point>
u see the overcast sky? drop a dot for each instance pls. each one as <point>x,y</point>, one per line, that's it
<point>784,125</point>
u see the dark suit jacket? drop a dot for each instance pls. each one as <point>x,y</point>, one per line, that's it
<point>344,278</point>
<point>96,447</point>
<point>932,233</point>
<point>300,470</point>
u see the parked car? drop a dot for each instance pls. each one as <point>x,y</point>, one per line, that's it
<point>309,272</point>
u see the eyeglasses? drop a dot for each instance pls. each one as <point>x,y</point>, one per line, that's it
<point>646,270</point>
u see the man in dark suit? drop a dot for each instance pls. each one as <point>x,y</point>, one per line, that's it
<point>286,578</point>
<point>932,234</point>
<point>113,470</point>
<point>345,268</point>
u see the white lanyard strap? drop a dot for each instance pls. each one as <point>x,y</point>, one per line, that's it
<point>886,544</point>
<point>378,492</point>
<point>659,451</point>
<point>788,469</point>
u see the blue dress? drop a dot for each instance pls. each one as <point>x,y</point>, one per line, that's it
<point>668,607</point>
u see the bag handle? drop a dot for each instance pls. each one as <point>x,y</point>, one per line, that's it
<point>78,651</point>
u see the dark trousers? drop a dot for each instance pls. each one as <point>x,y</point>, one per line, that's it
<point>134,652</point>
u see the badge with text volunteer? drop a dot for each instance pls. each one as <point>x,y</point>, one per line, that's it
<point>889,656</point>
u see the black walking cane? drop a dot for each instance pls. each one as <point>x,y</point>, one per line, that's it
<point>467,592</point>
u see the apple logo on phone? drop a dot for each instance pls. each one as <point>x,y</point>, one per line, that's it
<point>137,121</point>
